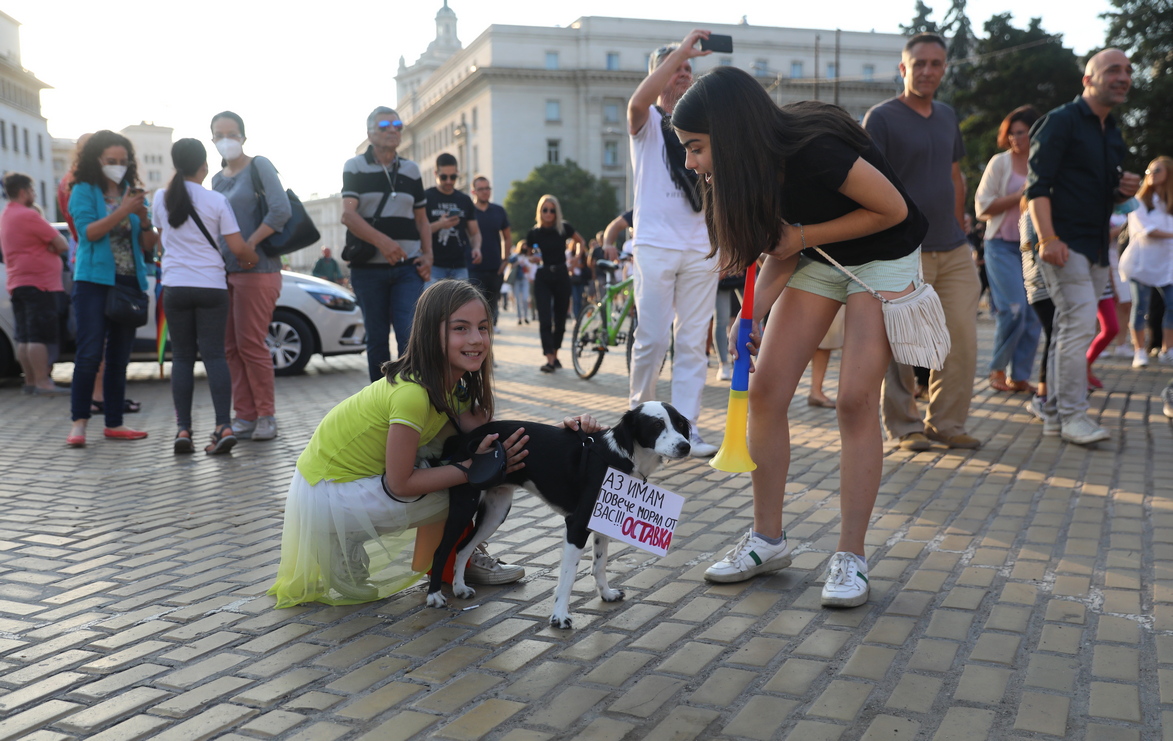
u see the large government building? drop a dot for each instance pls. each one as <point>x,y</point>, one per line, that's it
<point>25,145</point>
<point>521,96</point>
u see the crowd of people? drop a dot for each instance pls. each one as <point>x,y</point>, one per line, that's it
<point>841,220</point>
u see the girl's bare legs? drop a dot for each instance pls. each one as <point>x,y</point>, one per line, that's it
<point>865,359</point>
<point>787,347</point>
<point>819,363</point>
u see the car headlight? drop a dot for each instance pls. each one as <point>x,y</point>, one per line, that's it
<point>331,300</point>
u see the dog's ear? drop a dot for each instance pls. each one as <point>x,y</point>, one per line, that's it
<point>679,422</point>
<point>625,432</point>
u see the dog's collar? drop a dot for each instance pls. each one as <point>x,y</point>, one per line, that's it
<point>587,443</point>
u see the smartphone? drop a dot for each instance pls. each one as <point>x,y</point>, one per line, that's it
<point>455,212</point>
<point>136,191</point>
<point>718,42</point>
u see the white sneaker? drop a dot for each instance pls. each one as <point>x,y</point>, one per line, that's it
<point>700,448</point>
<point>1140,359</point>
<point>243,428</point>
<point>484,569</point>
<point>847,581</point>
<point>1124,351</point>
<point>1034,405</point>
<point>1165,358</point>
<point>724,372</point>
<point>1082,430</point>
<point>1167,401</point>
<point>266,428</point>
<point>350,570</point>
<point>750,557</point>
<point>1051,426</point>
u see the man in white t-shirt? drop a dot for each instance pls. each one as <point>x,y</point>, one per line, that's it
<point>674,277</point>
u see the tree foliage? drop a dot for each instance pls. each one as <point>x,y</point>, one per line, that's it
<point>588,202</point>
<point>1144,30</point>
<point>1012,67</point>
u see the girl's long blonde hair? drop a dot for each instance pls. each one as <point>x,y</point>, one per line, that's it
<point>559,222</point>
<point>1164,190</point>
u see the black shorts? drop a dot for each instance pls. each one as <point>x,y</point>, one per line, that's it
<point>37,315</point>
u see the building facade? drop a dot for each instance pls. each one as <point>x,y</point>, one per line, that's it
<point>521,96</point>
<point>25,145</point>
<point>152,152</point>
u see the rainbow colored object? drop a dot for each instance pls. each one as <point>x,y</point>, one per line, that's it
<point>733,456</point>
<point>160,318</point>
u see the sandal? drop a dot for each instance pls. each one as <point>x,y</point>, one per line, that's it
<point>1018,386</point>
<point>183,442</point>
<point>222,441</point>
<point>998,381</point>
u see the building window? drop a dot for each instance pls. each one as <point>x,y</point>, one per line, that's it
<point>553,151</point>
<point>40,148</point>
<point>43,199</point>
<point>474,119</point>
<point>612,60</point>
<point>476,159</point>
<point>153,176</point>
<point>610,113</point>
<point>551,60</point>
<point>3,135</point>
<point>26,142</point>
<point>760,68</point>
<point>869,72</point>
<point>15,138</point>
<point>553,111</point>
<point>610,154</point>
<point>831,71</point>
<point>795,70</point>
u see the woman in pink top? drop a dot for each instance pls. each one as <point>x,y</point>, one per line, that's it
<point>1016,336</point>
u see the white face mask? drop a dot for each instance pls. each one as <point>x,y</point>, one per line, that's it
<point>114,172</point>
<point>229,149</point>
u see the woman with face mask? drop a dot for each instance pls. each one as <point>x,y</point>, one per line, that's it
<point>114,233</point>
<point>253,290</point>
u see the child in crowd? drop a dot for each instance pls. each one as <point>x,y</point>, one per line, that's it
<point>362,486</point>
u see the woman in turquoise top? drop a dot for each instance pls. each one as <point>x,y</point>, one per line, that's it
<point>115,237</point>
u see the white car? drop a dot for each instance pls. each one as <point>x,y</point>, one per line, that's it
<point>312,316</point>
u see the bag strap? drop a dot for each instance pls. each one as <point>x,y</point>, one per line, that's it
<point>208,235</point>
<point>920,276</point>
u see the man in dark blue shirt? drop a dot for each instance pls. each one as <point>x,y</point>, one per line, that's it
<point>496,239</point>
<point>1074,179</point>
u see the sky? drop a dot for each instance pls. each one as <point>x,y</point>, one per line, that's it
<point>305,78</point>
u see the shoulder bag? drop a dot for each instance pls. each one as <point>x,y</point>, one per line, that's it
<point>915,323</point>
<point>298,233</point>
<point>358,251</point>
<point>127,305</point>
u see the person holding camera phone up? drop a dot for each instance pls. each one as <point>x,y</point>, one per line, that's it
<point>456,238</point>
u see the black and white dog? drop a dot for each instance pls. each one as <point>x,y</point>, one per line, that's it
<point>565,469</point>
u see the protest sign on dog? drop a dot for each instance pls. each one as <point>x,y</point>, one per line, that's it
<point>636,512</point>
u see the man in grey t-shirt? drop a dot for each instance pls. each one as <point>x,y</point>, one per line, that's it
<point>920,138</point>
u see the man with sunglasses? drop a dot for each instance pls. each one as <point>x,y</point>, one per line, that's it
<point>675,279</point>
<point>496,239</point>
<point>456,238</point>
<point>383,207</point>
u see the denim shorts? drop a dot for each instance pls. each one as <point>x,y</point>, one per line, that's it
<point>829,281</point>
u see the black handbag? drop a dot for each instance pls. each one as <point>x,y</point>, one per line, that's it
<point>358,251</point>
<point>127,305</point>
<point>298,233</point>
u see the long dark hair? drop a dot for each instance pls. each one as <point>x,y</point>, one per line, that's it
<point>425,361</point>
<point>751,139</point>
<point>188,156</point>
<point>1024,113</point>
<point>229,114</point>
<point>89,165</point>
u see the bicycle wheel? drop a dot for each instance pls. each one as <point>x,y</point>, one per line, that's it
<point>590,342</point>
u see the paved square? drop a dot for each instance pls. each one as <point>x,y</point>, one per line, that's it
<point>1022,590</point>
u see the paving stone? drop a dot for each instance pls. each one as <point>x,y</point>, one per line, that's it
<point>1116,701</point>
<point>760,718</point>
<point>273,724</point>
<point>94,717</point>
<point>789,622</point>
<point>368,675</point>
<point>647,695</point>
<point>682,724</point>
<point>892,631</point>
<point>568,706</point>
<point>950,624</point>
<point>605,729</point>
<point>1042,713</point>
<point>212,722</point>
<point>723,687</point>
<point>593,646</point>
<point>996,648</point>
<point>401,727</point>
<point>271,692</point>
<point>321,732</point>
<point>16,725</point>
<point>891,728</point>
<point>842,700</point>
<point>963,724</point>
<point>915,693</point>
<point>448,663</point>
<point>933,656</point>
<point>1064,639</point>
<point>542,679</point>
<point>1116,662</point>
<point>189,702</point>
<point>823,643</point>
<point>1051,672</point>
<point>382,699</point>
<point>138,727</point>
<point>869,662</point>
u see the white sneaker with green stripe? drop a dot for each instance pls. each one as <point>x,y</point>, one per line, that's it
<point>847,581</point>
<point>750,557</point>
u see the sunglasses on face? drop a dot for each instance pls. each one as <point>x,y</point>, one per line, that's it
<point>385,125</point>
<point>549,211</point>
<point>446,178</point>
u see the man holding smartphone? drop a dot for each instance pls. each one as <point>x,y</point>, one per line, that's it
<point>456,238</point>
<point>675,279</point>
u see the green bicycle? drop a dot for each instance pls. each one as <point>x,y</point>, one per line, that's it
<point>608,323</point>
<point>604,324</point>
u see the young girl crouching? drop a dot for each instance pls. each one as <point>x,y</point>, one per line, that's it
<point>362,485</point>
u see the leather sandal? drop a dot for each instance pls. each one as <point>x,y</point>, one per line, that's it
<point>222,441</point>
<point>998,382</point>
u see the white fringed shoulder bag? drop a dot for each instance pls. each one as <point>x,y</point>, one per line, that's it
<point>915,322</point>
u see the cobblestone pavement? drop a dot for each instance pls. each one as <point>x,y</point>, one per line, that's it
<point>1010,598</point>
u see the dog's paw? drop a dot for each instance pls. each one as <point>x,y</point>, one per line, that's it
<point>437,599</point>
<point>561,621</point>
<point>463,592</point>
<point>611,595</point>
